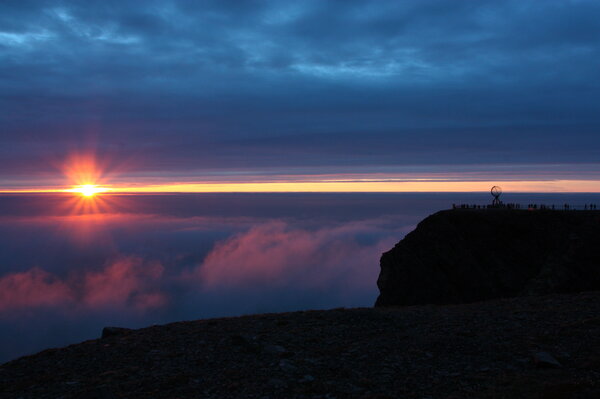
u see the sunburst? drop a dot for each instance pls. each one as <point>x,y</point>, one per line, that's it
<point>88,190</point>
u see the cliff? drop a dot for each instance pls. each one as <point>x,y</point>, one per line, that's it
<point>468,255</point>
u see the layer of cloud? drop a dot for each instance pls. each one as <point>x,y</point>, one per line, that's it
<point>159,259</point>
<point>33,288</point>
<point>266,258</point>
<point>276,255</point>
<point>220,85</point>
<point>127,284</point>
<point>155,259</point>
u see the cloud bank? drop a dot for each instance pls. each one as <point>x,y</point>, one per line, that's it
<point>123,284</point>
<point>153,259</point>
<point>183,257</point>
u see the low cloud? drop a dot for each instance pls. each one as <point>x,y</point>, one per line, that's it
<point>278,255</point>
<point>33,288</point>
<point>267,258</point>
<point>64,277</point>
<point>127,284</point>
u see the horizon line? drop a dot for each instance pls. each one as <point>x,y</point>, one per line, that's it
<point>525,186</point>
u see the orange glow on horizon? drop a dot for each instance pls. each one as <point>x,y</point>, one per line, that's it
<point>421,185</point>
<point>82,169</point>
<point>558,186</point>
<point>88,190</point>
<point>88,174</point>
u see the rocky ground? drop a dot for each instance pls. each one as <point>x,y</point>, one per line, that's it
<point>544,347</point>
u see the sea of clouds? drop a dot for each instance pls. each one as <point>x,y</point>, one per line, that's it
<point>66,271</point>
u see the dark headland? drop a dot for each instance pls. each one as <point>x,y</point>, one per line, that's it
<point>468,255</point>
<point>474,303</point>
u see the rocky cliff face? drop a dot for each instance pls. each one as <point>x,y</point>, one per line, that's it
<point>466,255</point>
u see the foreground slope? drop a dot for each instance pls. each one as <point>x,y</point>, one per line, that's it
<point>468,255</point>
<point>545,346</point>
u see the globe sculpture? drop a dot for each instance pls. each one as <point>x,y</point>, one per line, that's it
<point>496,191</point>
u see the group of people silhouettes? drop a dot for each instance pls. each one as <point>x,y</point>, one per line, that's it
<point>566,207</point>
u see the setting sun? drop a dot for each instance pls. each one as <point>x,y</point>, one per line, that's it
<point>88,190</point>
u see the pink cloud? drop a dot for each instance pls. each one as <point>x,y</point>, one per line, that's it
<point>267,256</point>
<point>273,254</point>
<point>32,288</point>
<point>127,283</point>
<point>120,282</point>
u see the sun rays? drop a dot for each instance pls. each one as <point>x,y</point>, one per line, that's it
<point>88,190</point>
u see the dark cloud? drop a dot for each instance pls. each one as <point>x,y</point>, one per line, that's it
<point>197,85</point>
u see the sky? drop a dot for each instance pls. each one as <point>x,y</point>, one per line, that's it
<point>300,95</point>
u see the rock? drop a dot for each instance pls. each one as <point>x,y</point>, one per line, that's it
<point>278,350</point>
<point>274,349</point>
<point>113,331</point>
<point>244,343</point>
<point>592,361</point>
<point>307,378</point>
<point>239,340</point>
<point>287,366</point>
<point>468,255</point>
<point>545,360</point>
<point>276,383</point>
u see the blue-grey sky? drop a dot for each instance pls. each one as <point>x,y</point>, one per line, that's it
<point>188,88</point>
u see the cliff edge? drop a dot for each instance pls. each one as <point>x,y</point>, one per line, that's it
<point>469,255</point>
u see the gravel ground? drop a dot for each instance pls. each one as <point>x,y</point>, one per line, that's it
<point>534,347</point>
